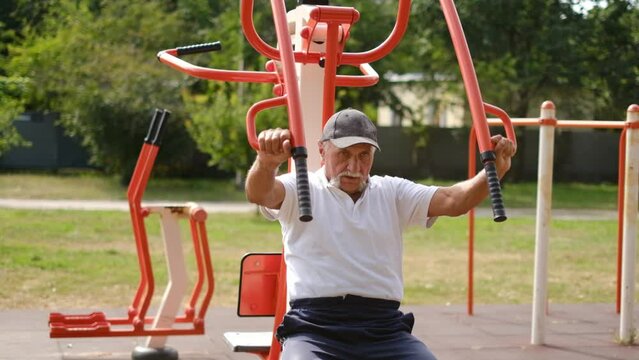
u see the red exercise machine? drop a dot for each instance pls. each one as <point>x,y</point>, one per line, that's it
<point>138,323</point>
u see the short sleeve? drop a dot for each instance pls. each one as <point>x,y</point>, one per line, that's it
<point>413,202</point>
<point>285,211</point>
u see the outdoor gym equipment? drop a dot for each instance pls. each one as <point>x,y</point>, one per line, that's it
<point>320,34</point>
<point>97,324</point>
<point>304,71</point>
<point>628,190</point>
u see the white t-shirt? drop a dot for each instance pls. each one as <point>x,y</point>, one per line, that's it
<point>349,247</point>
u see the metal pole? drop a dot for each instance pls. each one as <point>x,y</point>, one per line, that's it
<point>544,208</point>
<point>155,347</point>
<point>629,254</point>
<point>178,278</point>
<point>311,85</point>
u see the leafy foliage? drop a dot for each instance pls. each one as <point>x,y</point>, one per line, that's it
<point>613,50</point>
<point>11,92</point>
<point>219,109</point>
<point>93,61</point>
<point>96,65</point>
<point>524,51</point>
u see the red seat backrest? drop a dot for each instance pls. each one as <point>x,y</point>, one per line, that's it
<point>259,279</point>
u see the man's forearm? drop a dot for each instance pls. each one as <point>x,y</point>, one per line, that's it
<point>471,192</point>
<point>260,184</point>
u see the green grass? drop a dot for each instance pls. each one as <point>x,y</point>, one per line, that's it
<point>89,186</point>
<point>83,259</point>
<point>75,259</point>
<point>564,195</point>
<point>93,186</point>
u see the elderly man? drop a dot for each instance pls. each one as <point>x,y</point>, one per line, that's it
<point>344,268</point>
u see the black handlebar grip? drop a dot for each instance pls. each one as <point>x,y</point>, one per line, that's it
<point>494,189</point>
<point>303,189</point>
<point>156,129</point>
<point>199,48</point>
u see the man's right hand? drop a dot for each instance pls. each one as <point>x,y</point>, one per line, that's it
<point>261,186</point>
<point>275,147</point>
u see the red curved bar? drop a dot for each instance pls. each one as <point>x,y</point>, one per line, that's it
<point>168,57</point>
<point>369,78</point>
<point>335,14</point>
<point>199,261</point>
<point>295,121</point>
<point>468,74</point>
<point>505,119</point>
<point>252,113</point>
<point>251,35</point>
<point>401,24</point>
<point>135,192</point>
<point>210,280</point>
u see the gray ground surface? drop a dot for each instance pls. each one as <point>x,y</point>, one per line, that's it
<point>494,332</point>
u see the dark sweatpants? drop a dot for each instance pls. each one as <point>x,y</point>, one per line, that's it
<point>350,327</point>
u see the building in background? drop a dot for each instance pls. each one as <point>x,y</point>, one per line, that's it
<point>431,107</point>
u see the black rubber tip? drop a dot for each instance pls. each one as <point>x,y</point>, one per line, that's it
<point>303,187</point>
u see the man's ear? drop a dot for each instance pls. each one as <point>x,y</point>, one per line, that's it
<point>320,145</point>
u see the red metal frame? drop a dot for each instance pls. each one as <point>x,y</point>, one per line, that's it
<point>478,108</point>
<point>336,19</point>
<point>97,324</point>
<point>248,27</point>
<point>468,74</point>
<point>288,63</point>
<point>337,22</point>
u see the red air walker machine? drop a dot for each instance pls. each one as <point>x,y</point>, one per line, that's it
<point>302,68</point>
<point>163,324</point>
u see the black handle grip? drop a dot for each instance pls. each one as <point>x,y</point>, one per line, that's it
<point>156,129</point>
<point>199,48</point>
<point>303,189</point>
<point>494,189</point>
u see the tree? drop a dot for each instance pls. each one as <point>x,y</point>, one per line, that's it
<point>219,109</point>
<point>523,51</point>
<point>612,53</point>
<point>376,22</point>
<point>11,93</point>
<point>13,89</point>
<point>94,62</point>
<point>218,112</point>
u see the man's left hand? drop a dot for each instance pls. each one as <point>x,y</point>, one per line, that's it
<point>504,149</point>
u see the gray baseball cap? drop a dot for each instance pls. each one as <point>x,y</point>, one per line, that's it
<point>349,127</point>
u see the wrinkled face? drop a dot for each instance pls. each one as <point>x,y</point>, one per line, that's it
<point>347,168</point>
